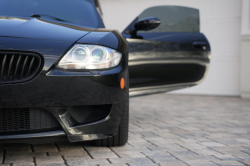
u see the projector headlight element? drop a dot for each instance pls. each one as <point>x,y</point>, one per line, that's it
<point>83,56</point>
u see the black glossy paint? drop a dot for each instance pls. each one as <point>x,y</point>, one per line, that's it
<point>147,24</point>
<point>101,38</point>
<point>39,29</point>
<point>81,12</point>
<point>144,24</point>
<point>55,90</point>
<point>160,62</point>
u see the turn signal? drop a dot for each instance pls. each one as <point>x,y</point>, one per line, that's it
<point>122,83</point>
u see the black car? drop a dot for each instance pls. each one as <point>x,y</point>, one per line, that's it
<point>63,76</point>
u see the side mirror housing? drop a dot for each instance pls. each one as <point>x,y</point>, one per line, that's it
<point>147,24</point>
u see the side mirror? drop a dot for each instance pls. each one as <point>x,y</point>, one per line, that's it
<point>147,24</point>
<point>144,24</point>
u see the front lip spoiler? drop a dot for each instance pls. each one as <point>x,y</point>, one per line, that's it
<point>72,138</point>
<point>34,135</point>
<point>88,137</point>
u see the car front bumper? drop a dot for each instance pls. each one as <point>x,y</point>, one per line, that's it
<point>57,94</point>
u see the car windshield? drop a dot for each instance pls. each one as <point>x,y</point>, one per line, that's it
<point>80,12</point>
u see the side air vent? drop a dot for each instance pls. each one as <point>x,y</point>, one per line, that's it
<point>18,67</point>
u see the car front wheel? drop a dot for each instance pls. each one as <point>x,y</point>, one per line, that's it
<point>121,138</point>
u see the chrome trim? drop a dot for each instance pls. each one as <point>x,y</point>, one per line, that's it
<point>158,89</point>
<point>34,135</point>
<point>167,61</point>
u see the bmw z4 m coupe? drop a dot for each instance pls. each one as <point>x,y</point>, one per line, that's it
<point>63,76</point>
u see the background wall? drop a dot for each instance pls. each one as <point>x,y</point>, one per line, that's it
<point>245,50</point>
<point>220,21</point>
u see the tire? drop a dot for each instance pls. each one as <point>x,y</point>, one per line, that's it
<point>121,138</point>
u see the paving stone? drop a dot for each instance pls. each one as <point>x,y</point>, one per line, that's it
<point>49,159</point>
<point>113,164</point>
<point>164,160</point>
<point>130,153</point>
<point>246,151</point>
<point>229,163</point>
<point>192,146</point>
<point>247,162</point>
<point>226,157</point>
<point>203,163</point>
<point>142,149</point>
<point>76,156</point>
<point>20,159</point>
<point>122,148</point>
<point>23,164</point>
<point>52,164</point>
<point>131,160</point>
<point>103,154</point>
<point>87,162</point>
<point>69,153</point>
<point>136,139</point>
<point>156,139</point>
<point>142,144</point>
<point>17,148</point>
<point>69,146</point>
<point>211,144</point>
<point>160,157</point>
<point>175,148</point>
<point>24,154</point>
<point>244,140</point>
<point>207,151</point>
<point>93,148</point>
<point>45,148</point>
<point>198,159</point>
<point>142,164</point>
<point>183,153</point>
<point>173,163</point>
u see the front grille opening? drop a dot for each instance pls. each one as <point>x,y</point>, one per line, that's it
<point>18,67</point>
<point>26,120</point>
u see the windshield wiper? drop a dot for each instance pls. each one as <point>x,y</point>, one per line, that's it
<point>40,15</point>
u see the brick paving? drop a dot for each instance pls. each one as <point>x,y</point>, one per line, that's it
<point>166,130</point>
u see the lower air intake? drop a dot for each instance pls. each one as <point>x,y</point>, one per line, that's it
<point>25,120</point>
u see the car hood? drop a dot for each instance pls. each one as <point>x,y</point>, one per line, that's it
<point>36,28</point>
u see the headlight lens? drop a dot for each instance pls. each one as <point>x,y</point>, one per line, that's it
<point>82,56</point>
<point>98,54</point>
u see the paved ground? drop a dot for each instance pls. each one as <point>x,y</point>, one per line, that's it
<point>164,130</point>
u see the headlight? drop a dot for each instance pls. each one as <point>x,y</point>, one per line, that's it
<point>82,56</point>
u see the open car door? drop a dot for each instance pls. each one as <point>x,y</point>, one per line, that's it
<point>166,50</point>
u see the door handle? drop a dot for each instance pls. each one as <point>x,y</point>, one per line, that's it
<point>200,45</point>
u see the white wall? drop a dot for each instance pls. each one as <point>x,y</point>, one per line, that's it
<point>220,22</point>
<point>245,50</point>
